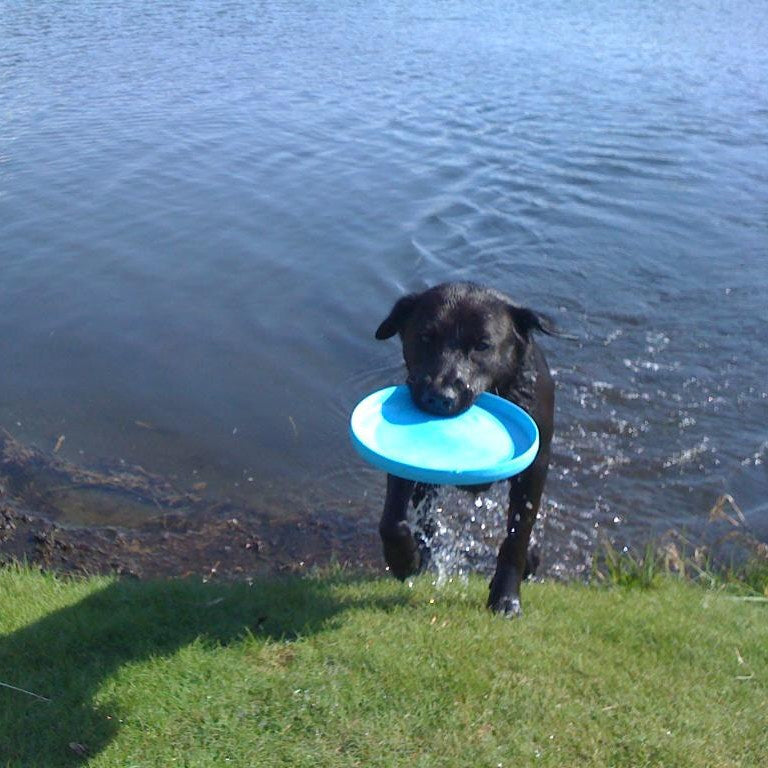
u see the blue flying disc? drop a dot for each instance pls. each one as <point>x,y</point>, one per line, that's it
<point>492,440</point>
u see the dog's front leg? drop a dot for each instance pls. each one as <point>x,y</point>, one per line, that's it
<point>524,497</point>
<point>400,549</point>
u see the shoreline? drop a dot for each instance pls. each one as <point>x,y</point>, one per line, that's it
<point>182,533</point>
<point>187,536</point>
<point>215,543</point>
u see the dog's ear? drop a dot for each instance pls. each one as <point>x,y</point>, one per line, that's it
<point>395,321</point>
<point>527,321</point>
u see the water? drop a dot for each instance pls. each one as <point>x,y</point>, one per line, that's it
<point>206,209</point>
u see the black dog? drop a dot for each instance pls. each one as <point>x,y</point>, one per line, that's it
<point>460,339</point>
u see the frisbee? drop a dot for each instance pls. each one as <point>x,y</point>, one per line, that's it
<point>492,440</point>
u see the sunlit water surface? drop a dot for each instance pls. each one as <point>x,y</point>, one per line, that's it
<point>206,209</point>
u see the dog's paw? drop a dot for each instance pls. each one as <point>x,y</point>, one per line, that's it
<point>504,595</point>
<point>401,551</point>
<point>507,606</point>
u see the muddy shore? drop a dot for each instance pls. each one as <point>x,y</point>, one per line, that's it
<point>184,532</point>
<point>189,536</point>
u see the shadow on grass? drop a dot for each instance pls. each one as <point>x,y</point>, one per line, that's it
<point>68,654</point>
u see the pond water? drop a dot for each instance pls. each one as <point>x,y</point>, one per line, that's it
<point>207,208</point>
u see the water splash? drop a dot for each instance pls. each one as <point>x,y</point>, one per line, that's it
<point>459,532</point>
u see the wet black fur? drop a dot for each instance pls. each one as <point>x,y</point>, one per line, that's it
<point>461,339</point>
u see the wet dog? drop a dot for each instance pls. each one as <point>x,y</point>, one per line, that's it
<point>461,339</point>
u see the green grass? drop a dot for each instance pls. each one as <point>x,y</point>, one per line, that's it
<point>339,670</point>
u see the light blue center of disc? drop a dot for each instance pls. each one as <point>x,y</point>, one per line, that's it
<point>472,440</point>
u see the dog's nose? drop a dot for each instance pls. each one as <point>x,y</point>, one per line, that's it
<point>439,403</point>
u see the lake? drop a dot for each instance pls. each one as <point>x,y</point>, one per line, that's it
<point>206,209</point>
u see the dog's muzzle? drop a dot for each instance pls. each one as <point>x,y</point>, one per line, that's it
<point>441,401</point>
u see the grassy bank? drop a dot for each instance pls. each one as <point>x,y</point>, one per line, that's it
<point>348,671</point>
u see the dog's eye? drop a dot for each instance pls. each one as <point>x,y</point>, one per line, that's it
<point>482,346</point>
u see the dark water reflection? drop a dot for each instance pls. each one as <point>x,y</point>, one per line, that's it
<point>205,211</point>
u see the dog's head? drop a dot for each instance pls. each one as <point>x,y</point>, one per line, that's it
<point>460,339</point>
